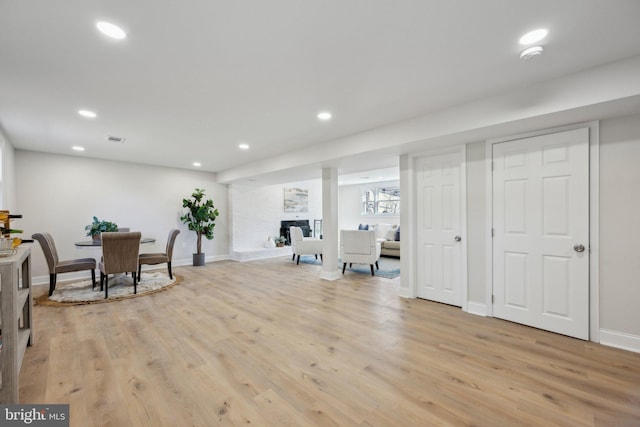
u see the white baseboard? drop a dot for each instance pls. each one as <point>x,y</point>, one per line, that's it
<point>404,293</point>
<point>260,253</point>
<point>620,340</point>
<point>329,275</point>
<point>477,308</point>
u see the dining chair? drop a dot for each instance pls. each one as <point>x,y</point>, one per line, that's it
<point>359,247</point>
<point>160,257</point>
<point>304,245</point>
<point>56,266</point>
<point>119,255</point>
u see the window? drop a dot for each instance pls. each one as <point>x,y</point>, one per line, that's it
<point>381,200</point>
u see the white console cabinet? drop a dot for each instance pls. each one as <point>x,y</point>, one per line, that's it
<point>15,317</point>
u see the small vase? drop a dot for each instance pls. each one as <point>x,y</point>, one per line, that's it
<point>96,237</point>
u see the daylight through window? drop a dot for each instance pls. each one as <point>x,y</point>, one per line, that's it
<point>381,200</point>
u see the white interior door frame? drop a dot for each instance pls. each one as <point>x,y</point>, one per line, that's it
<point>413,158</point>
<point>594,219</point>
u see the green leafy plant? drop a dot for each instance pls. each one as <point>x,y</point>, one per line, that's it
<point>279,239</point>
<point>201,216</point>
<point>98,226</point>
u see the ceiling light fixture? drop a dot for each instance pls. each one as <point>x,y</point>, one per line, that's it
<point>530,52</point>
<point>77,148</point>
<point>111,30</point>
<point>88,114</point>
<point>243,146</point>
<point>324,115</point>
<point>197,164</point>
<point>534,36</point>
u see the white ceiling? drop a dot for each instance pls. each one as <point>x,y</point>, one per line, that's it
<point>195,78</point>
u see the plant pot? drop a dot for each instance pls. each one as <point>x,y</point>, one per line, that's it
<point>198,260</point>
<point>279,245</point>
<point>96,237</point>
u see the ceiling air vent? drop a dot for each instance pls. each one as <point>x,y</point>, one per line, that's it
<point>111,138</point>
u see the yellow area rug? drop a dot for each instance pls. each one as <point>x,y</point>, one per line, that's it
<point>81,292</point>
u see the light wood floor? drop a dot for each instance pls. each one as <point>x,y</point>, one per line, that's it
<point>267,343</point>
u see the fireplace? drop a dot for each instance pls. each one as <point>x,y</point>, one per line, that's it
<point>302,223</point>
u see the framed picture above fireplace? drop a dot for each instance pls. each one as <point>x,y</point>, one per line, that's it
<point>296,200</point>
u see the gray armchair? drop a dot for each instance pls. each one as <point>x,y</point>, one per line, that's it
<point>120,252</point>
<point>162,257</point>
<point>56,266</point>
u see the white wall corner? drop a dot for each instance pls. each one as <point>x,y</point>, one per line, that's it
<point>620,340</point>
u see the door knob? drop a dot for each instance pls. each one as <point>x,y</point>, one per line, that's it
<point>457,238</point>
<point>578,248</point>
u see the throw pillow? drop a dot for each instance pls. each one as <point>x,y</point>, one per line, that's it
<point>397,237</point>
<point>391,233</point>
<point>363,227</point>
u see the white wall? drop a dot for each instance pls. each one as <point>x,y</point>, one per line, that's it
<point>619,231</point>
<point>476,223</point>
<point>60,195</point>
<point>258,210</point>
<point>7,178</point>
<point>620,225</point>
<point>350,206</point>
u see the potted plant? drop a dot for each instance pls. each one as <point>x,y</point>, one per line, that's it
<point>96,227</point>
<point>201,219</point>
<point>280,241</point>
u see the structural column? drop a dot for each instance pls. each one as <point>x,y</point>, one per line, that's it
<point>330,224</point>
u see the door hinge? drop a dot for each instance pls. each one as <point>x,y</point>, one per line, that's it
<point>491,164</point>
<point>493,299</point>
<point>492,232</point>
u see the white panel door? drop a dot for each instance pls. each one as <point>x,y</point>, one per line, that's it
<point>541,232</point>
<point>439,229</point>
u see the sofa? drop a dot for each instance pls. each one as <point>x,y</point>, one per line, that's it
<point>389,237</point>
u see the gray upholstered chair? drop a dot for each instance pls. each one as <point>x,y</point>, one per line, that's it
<point>304,245</point>
<point>359,247</point>
<point>56,266</point>
<point>162,257</point>
<point>120,252</point>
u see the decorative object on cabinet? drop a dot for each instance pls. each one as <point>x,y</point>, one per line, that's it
<point>5,223</point>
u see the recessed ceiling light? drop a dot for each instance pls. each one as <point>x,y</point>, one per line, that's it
<point>534,36</point>
<point>197,164</point>
<point>243,146</point>
<point>324,115</point>
<point>530,52</point>
<point>88,114</point>
<point>77,148</point>
<point>111,30</point>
